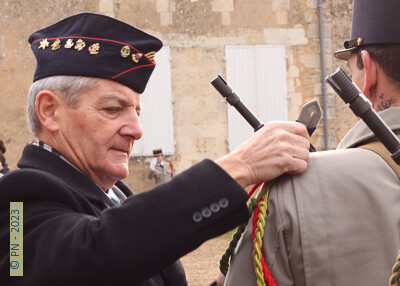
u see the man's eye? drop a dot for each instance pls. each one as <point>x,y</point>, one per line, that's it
<point>113,109</point>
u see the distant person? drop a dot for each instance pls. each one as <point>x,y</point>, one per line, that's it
<point>3,166</point>
<point>159,169</point>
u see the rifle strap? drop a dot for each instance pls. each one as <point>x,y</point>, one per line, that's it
<point>381,150</point>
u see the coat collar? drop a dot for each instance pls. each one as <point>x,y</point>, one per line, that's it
<point>36,157</point>
<point>360,132</point>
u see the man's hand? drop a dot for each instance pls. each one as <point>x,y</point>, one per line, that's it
<point>153,164</point>
<point>275,149</point>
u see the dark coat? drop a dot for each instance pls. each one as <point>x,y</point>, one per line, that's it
<point>2,147</point>
<point>5,167</point>
<point>75,235</point>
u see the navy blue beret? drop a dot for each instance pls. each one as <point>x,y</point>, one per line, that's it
<point>94,45</point>
<point>374,22</point>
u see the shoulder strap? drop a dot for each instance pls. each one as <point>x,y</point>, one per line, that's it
<point>381,150</point>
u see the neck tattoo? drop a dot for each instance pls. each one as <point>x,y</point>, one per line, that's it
<point>385,103</point>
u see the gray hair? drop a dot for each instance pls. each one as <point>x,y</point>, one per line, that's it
<point>70,87</point>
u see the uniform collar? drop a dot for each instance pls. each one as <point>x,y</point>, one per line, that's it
<point>360,132</point>
<point>37,157</point>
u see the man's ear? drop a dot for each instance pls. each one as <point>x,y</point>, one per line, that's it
<point>371,74</point>
<point>47,106</point>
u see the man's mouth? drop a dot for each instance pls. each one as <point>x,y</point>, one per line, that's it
<point>125,151</point>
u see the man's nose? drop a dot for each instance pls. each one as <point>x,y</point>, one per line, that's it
<point>132,127</point>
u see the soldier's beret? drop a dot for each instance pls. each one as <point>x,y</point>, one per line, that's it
<point>94,45</point>
<point>374,22</point>
<point>157,152</point>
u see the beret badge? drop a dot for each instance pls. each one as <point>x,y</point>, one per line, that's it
<point>125,51</point>
<point>69,44</point>
<point>94,49</point>
<point>80,44</point>
<point>56,45</point>
<point>43,44</point>
<point>137,57</point>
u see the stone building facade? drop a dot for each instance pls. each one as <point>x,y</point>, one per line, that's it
<point>197,32</point>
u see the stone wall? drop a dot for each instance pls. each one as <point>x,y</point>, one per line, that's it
<point>197,32</point>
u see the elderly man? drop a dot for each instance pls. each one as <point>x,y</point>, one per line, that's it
<point>338,222</point>
<point>82,225</point>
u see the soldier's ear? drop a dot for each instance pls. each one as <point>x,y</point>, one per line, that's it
<point>47,106</point>
<point>371,74</point>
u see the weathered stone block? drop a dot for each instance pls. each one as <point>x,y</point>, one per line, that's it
<point>280,5</point>
<point>310,61</point>
<point>226,18</point>
<point>290,36</point>
<point>166,18</point>
<point>281,17</point>
<point>222,5</point>
<point>293,71</point>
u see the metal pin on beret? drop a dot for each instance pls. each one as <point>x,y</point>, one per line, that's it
<point>94,45</point>
<point>374,22</point>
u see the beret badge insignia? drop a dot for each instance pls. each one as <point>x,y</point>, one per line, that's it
<point>94,49</point>
<point>137,57</point>
<point>80,44</point>
<point>43,44</point>
<point>125,51</point>
<point>69,44</point>
<point>56,45</point>
<point>151,55</point>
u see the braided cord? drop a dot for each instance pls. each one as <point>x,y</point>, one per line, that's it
<point>263,275</point>
<point>395,278</point>
<point>258,233</point>
<point>226,257</point>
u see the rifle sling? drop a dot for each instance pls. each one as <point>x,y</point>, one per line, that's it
<point>381,150</point>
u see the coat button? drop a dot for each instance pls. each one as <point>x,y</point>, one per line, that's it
<point>215,207</point>
<point>223,203</point>
<point>206,212</point>
<point>197,217</point>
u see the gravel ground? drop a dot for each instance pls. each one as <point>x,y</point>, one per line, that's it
<point>202,265</point>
